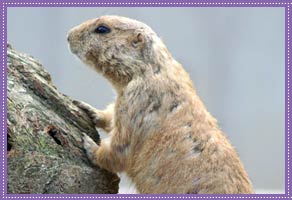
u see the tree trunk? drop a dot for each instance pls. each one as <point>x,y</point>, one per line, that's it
<point>45,153</point>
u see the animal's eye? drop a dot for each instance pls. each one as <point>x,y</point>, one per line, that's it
<point>102,30</point>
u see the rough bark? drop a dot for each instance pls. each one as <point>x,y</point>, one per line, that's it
<point>45,153</point>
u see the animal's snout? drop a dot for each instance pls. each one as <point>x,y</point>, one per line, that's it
<point>69,36</point>
<point>73,42</point>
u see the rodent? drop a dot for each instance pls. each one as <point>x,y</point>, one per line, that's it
<point>160,133</point>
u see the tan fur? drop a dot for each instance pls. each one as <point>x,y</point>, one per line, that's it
<point>161,134</point>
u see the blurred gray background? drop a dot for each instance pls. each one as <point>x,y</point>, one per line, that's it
<point>235,56</point>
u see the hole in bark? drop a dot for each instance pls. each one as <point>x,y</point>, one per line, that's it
<point>53,132</point>
<point>9,145</point>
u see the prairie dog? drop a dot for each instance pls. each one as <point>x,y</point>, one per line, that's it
<point>160,133</point>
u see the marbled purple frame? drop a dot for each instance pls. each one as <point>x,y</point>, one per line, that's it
<point>138,3</point>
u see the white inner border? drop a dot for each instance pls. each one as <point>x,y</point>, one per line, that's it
<point>145,3</point>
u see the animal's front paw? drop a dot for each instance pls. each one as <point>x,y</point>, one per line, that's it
<point>95,115</point>
<point>90,147</point>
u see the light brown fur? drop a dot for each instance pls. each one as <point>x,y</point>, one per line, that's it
<point>161,134</point>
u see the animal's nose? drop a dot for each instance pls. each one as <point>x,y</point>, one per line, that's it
<point>68,37</point>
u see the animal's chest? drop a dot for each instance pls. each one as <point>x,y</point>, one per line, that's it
<point>139,110</point>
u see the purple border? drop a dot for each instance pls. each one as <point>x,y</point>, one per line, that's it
<point>3,100</point>
<point>138,3</point>
<point>146,3</point>
<point>287,97</point>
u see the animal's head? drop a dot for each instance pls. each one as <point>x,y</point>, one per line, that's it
<point>118,47</point>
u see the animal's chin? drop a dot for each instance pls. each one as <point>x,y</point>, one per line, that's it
<point>73,50</point>
<point>82,58</point>
<point>78,54</point>
<point>90,64</point>
<point>91,59</point>
<point>77,51</point>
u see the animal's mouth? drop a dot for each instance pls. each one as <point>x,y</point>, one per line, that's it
<point>73,50</point>
<point>76,50</point>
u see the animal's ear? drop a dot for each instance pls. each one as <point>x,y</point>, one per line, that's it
<point>138,39</point>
